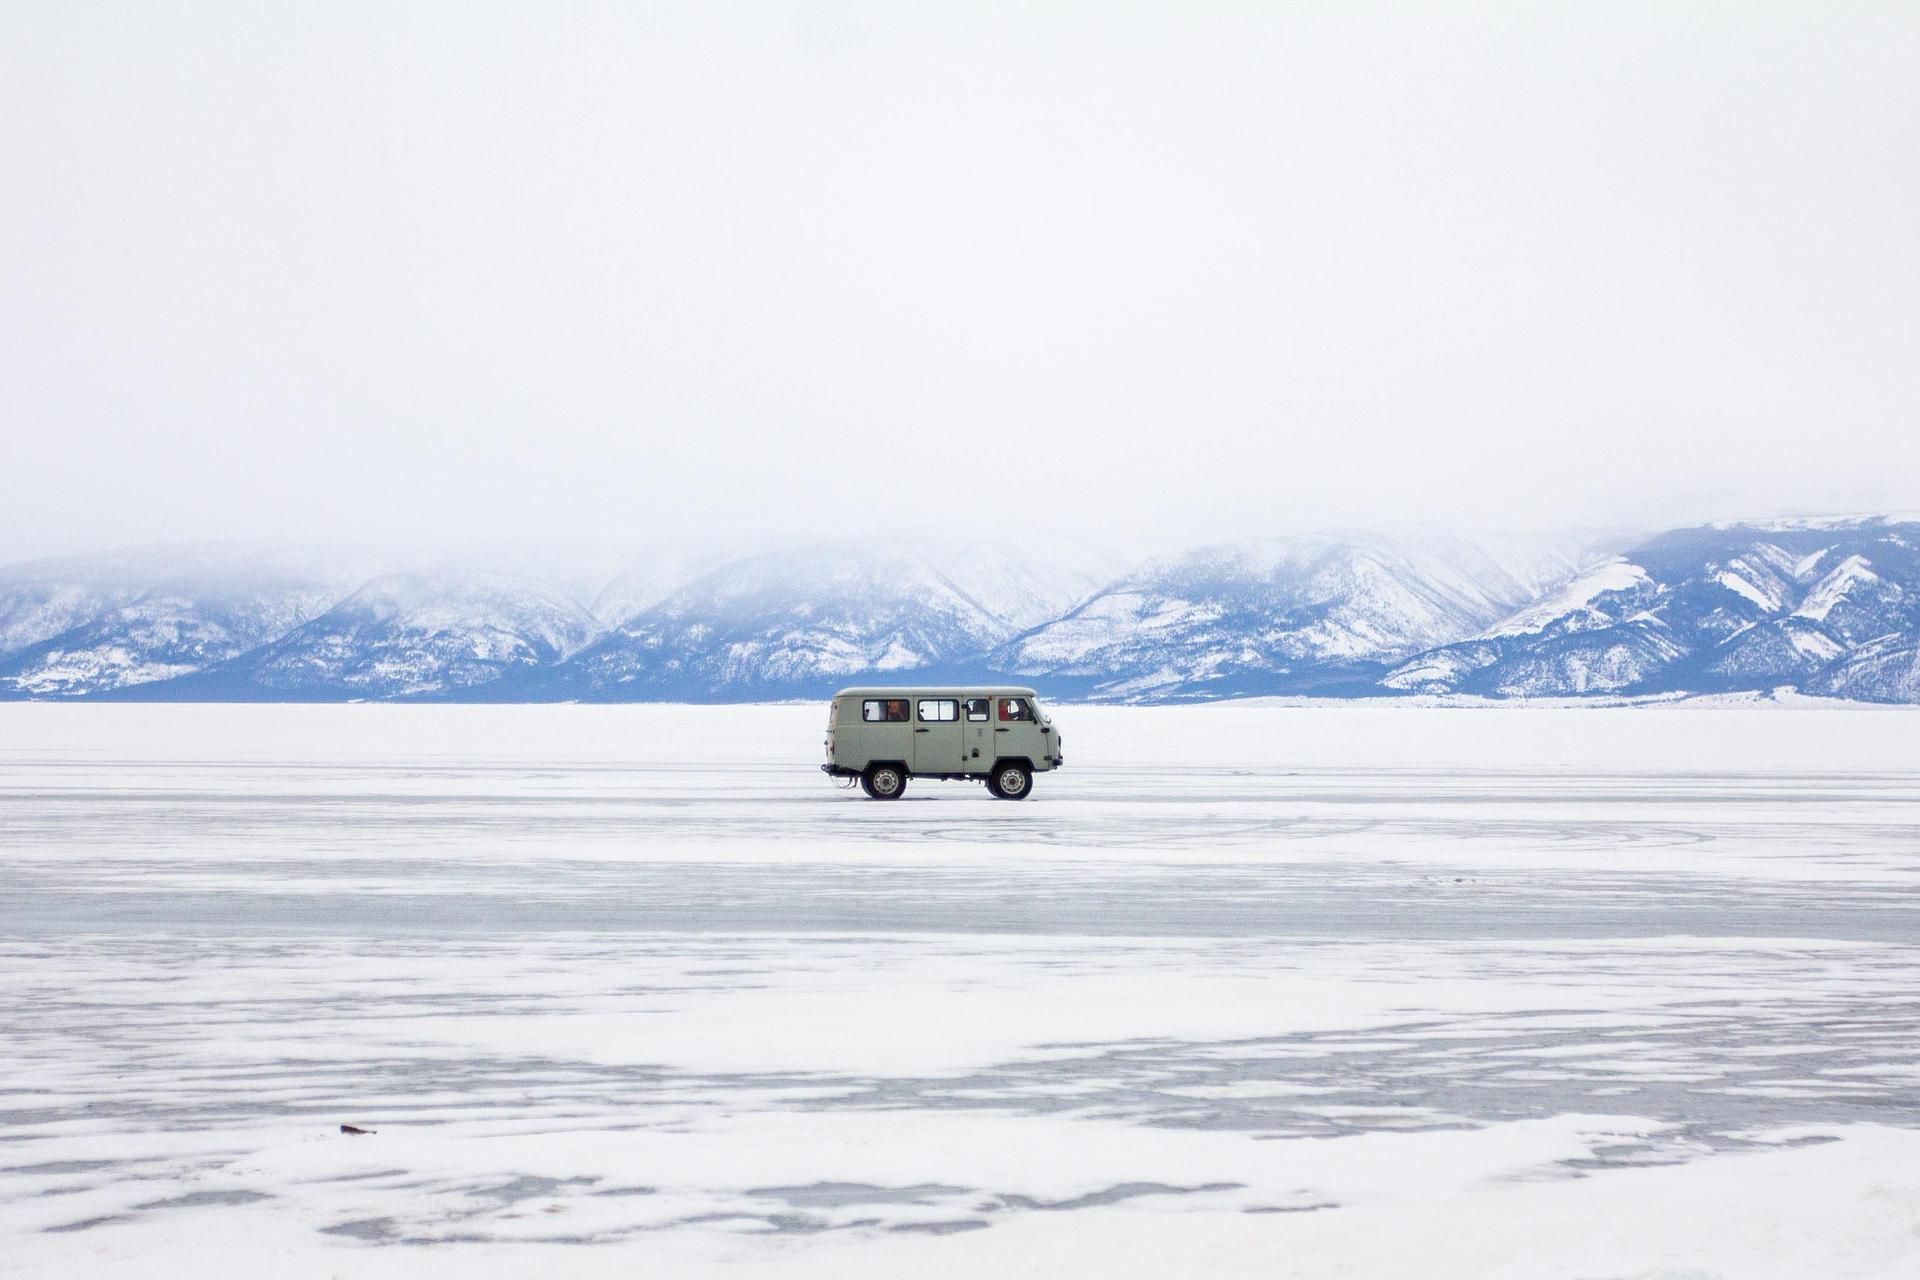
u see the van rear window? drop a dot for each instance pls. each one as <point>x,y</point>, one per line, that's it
<point>884,710</point>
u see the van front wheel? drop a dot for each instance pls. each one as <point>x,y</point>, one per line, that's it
<point>1010,781</point>
<point>883,782</point>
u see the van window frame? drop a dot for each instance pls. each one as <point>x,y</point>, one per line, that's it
<point>920,710</point>
<point>986,709</point>
<point>906,707</point>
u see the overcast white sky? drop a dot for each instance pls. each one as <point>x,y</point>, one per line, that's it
<point>324,271</point>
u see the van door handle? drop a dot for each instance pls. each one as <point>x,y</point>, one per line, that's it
<point>923,731</point>
<point>1003,731</point>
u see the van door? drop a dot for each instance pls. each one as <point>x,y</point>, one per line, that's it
<point>885,732</point>
<point>976,734</point>
<point>1016,728</point>
<point>936,735</point>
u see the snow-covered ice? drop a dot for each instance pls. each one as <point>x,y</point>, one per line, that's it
<point>1246,989</point>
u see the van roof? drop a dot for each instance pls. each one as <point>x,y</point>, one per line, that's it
<point>931,691</point>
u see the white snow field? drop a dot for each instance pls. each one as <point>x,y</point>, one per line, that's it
<point>1368,991</point>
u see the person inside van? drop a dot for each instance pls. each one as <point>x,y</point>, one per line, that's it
<point>1014,709</point>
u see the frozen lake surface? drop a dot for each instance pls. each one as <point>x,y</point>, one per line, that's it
<point>1371,991</point>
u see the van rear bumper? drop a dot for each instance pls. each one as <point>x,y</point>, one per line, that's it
<point>839,771</point>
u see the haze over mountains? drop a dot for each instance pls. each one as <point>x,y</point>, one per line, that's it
<point>1829,607</point>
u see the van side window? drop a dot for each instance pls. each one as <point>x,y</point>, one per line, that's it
<point>979,709</point>
<point>939,710</point>
<point>1015,709</point>
<point>884,710</point>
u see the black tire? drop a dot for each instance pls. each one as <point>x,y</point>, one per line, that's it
<point>884,782</point>
<point>1013,781</point>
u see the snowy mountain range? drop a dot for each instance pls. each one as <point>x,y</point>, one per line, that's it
<point>112,623</point>
<point>406,636</point>
<point>1317,614</point>
<point>807,620</point>
<point>1825,607</point>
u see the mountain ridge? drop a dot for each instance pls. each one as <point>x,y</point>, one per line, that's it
<point>1829,606</point>
<point>1832,607</point>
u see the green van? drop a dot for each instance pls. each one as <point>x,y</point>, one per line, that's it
<point>995,735</point>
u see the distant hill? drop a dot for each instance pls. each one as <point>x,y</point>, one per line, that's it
<point>1319,614</point>
<point>801,621</point>
<point>410,636</point>
<point>74,628</point>
<point>1827,607</point>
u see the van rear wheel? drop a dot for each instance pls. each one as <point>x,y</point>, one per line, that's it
<point>1010,781</point>
<point>884,782</point>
